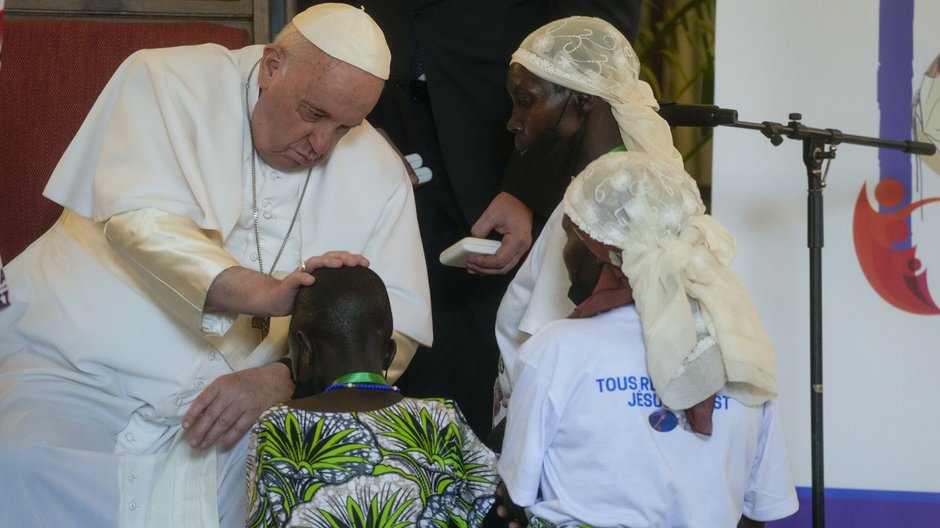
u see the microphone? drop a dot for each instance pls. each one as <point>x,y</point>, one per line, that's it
<point>696,115</point>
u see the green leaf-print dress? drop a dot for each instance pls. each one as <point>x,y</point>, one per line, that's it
<point>414,463</point>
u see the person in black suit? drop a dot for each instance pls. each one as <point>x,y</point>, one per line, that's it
<point>446,100</point>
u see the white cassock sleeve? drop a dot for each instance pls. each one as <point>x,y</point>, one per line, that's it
<point>177,260</point>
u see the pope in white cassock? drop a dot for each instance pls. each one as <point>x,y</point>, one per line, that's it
<point>201,189</point>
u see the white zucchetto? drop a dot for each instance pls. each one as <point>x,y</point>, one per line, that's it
<point>348,34</point>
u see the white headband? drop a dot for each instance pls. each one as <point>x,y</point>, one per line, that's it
<point>673,252</point>
<point>590,56</point>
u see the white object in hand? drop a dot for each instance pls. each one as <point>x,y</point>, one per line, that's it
<point>457,254</point>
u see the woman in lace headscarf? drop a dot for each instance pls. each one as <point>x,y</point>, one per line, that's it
<point>595,433</point>
<point>576,95</point>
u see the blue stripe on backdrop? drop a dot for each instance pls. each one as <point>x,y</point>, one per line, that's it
<point>849,508</point>
<point>895,77</point>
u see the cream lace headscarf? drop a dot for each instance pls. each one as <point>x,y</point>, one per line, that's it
<point>700,327</point>
<point>590,56</point>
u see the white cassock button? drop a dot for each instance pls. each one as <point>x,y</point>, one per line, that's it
<point>132,506</point>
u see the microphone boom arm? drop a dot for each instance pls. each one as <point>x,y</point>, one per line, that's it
<point>795,130</point>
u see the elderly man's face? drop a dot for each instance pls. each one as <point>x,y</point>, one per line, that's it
<point>538,105</point>
<point>305,109</point>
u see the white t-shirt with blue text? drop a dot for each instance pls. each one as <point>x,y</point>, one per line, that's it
<point>589,442</point>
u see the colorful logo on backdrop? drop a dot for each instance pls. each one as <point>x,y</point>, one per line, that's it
<point>883,232</point>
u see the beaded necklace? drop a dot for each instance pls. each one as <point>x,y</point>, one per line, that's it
<point>361,380</point>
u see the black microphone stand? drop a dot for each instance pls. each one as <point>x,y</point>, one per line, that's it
<point>814,153</point>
